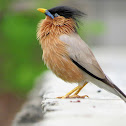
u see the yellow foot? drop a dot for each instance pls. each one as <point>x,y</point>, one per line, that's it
<point>77,96</point>
<point>73,96</point>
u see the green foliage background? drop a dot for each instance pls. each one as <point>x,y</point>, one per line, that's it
<point>20,52</point>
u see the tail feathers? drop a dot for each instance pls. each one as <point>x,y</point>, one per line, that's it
<point>119,93</point>
<point>114,89</point>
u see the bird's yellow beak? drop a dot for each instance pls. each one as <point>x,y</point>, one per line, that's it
<point>46,12</point>
<point>42,10</point>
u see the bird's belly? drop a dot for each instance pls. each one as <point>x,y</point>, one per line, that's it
<point>64,68</point>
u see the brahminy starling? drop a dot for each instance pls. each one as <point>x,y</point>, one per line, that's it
<point>67,55</point>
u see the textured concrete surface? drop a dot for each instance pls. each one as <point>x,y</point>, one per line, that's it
<point>100,109</point>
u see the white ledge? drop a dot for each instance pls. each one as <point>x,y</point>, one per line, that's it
<point>100,109</point>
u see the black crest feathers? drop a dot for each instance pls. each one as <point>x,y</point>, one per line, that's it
<point>67,12</point>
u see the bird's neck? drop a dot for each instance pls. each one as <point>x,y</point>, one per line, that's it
<point>51,29</point>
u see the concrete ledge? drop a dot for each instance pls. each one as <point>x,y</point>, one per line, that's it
<point>101,109</point>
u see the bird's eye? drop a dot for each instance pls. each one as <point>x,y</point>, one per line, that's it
<point>56,15</point>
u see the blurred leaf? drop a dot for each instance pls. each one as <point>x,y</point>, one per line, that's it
<point>20,52</point>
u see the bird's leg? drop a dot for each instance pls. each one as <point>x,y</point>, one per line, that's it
<point>69,93</point>
<point>75,95</point>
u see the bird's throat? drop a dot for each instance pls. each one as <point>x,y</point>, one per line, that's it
<point>55,27</point>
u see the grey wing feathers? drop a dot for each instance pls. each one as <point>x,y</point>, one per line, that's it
<point>79,51</point>
<point>82,56</point>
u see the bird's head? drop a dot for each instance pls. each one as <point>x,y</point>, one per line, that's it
<point>59,20</point>
<point>60,12</point>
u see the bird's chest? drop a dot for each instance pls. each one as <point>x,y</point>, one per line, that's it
<point>57,59</point>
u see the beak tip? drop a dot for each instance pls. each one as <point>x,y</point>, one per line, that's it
<point>38,9</point>
<point>42,10</point>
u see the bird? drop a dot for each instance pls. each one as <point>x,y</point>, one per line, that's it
<point>67,55</point>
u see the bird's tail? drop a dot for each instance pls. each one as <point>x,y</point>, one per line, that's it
<point>119,93</point>
<point>114,89</point>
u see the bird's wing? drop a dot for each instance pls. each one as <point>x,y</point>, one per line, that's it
<point>81,55</point>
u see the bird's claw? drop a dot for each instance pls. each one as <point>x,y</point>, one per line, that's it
<point>73,96</point>
<point>77,96</point>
